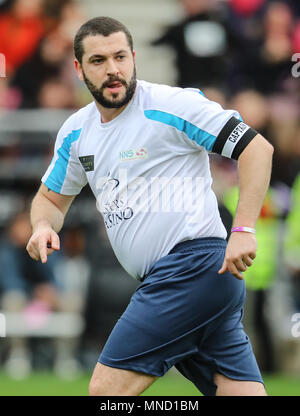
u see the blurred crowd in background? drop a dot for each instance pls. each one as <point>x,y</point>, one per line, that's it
<point>241,54</point>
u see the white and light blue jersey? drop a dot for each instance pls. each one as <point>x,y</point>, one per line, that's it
<point>149,169</point>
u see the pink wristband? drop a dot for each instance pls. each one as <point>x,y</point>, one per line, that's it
<point>243,229</point>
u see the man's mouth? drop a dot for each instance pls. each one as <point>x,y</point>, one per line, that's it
<point>114,86</point>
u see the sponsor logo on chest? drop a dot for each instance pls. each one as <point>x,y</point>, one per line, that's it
<point>133,154</point>
<point>87,162</point>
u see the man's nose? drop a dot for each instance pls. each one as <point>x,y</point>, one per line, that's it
<point>112,67</point>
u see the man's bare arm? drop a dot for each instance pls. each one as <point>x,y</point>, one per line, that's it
<point>254,171</point>
<point>47,214</point>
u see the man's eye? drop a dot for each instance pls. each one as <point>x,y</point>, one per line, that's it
<point>120,57</point>
<point>97,61</point>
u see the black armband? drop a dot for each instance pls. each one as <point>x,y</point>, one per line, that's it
<point>233,138</point>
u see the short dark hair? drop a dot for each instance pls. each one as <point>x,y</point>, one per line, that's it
<point>104,26</point>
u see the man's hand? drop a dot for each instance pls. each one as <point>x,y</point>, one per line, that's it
<point>43,242</point>
<point>240,253</point>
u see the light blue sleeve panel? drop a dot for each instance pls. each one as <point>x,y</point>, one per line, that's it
<point>191,113</point>
<point>199,136</point>
<point>65,174</point>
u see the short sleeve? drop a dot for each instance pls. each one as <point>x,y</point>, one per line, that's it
<point>205,123</point>
<point>65,174</point>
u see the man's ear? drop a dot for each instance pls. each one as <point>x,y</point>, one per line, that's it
<point>78,69</point>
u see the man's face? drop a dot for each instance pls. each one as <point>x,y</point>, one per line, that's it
<point>108,69</point>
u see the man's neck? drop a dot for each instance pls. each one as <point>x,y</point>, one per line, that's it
<point>108,114</point>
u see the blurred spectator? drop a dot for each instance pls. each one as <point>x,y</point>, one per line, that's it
<point>46,64</point>
<point>277,118</point>
<point>72,277</point>
<point>292,243</point>
<point>18,273</point>
<point>253,108</point>
<point>36,38</point>
<point>242,44</point>
<point>24,284</point>
<point>203,42</point>
<point>21,28</point>
<point>284,131</point>
<point>54,93</point>
<point>34,290</point>
<point>267,63</point>
<point>246,8</point>
<point>72,272</point>
<point>52,64</point>
<point>70,16</point>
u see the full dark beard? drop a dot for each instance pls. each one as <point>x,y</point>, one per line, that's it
<point>97,93</point>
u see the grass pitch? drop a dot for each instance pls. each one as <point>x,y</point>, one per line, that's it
<point>172,384</point>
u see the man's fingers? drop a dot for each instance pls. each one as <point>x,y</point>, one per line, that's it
<point>42,243</point>
<point>223,268</point>
<point>43,256</point>
<point>240,265</point>
<point>43,251</point>
<point>34,254</point>
<point>248,261</point>
<point>33,250</point>
<point>55,244</point>
<point>240,253</point>
<point>230,266</point>
<point>233,270</point>
<point>49,251</point>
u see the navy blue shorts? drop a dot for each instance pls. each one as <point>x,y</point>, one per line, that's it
<point>185,314</point>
